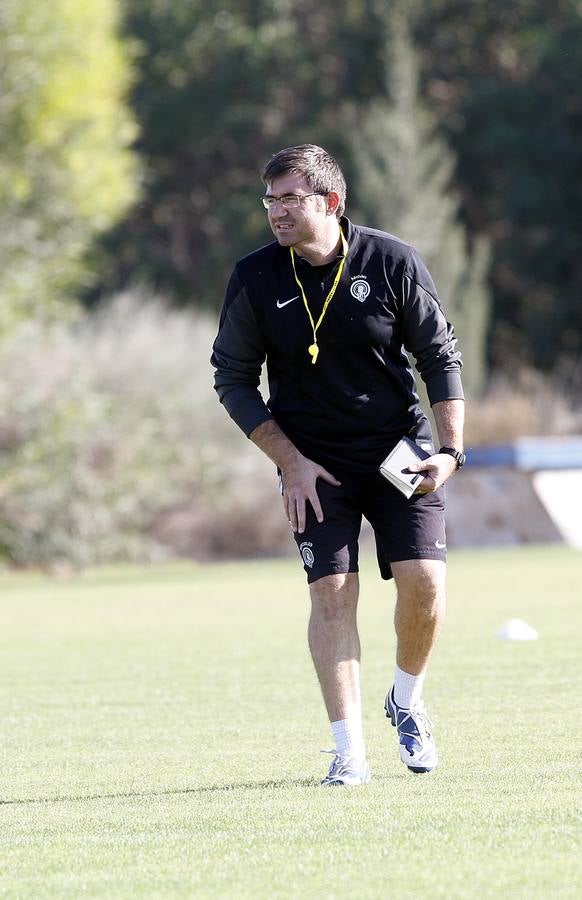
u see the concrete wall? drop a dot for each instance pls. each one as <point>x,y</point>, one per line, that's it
<point>496,507</point>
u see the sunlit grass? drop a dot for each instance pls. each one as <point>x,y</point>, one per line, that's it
<point>161,731</point>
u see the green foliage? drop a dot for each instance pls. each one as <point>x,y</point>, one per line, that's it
<point>202,210</point>
<point>505,82</point>
<point>66,172</point>
<point>218,91</point>
<point>404,186</point>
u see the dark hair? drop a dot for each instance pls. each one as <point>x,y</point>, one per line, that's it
<point>317,165</point>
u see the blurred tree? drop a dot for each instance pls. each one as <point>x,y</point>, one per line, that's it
<point>218,91</point>
<point>65,169</point>
<point>404,173</point>
<point>505,82</point>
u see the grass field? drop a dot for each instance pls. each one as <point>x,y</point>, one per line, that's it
<point>161,731</point>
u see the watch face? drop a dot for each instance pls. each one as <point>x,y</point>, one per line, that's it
<point>461,460</point>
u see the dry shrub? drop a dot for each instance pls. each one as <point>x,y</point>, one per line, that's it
<point>109,426</point>
<point>245,521</point>
<point>529,404</point>
<point>113,445</point>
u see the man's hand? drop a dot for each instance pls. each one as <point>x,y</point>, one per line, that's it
<point>436,470</point>
<point>298,473</point>
<point>299,480</point>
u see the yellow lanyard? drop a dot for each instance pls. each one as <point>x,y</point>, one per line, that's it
<point>314,349</point>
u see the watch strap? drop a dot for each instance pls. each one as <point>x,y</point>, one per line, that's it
<point>457,455</point>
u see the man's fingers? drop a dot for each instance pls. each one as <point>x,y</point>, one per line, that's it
<point>436,469</point>
<point>301,488</point>
<point>300,515</point>
<point>327,476</point>
<point>427,486</point>
<point>314,500</point>
<point>419,466</point>
<point>291,513</point>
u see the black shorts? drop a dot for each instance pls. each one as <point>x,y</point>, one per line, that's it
<point>403,529</point>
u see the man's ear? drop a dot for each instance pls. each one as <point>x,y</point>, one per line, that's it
<point>332,200</point>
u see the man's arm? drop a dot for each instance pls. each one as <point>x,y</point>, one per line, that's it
<point>428,335</point>
<point>238,355</point>
<point>431,339</point>
<point>299,474</point>
<point>449,417</point>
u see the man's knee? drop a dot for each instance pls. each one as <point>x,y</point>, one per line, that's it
<point>422,582</point>
<point>335,596</point>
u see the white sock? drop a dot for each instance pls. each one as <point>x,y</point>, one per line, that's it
<point>349,738</point>
<point>407,688</point>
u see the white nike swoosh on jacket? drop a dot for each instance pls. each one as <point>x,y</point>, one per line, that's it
<point>281,305</point>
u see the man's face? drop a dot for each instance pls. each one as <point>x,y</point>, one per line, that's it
<point>305,223</point>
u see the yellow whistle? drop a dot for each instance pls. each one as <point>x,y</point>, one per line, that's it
<point>313,351</point>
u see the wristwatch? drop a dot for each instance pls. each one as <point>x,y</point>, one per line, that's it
<point>458,455</point>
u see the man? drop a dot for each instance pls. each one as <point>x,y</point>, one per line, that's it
<point>332,306</point>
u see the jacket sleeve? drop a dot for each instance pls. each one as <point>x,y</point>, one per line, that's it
<point>238,356</point>
<point>428,335</point>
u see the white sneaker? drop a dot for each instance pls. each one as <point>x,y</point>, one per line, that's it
<point>348,771</point>
<point>415,741</point>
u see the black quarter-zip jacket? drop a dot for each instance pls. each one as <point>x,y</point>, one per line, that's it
<point>351,407</point>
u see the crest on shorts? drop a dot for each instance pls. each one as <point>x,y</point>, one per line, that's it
<point>360,288</point>
<point>307,553</point>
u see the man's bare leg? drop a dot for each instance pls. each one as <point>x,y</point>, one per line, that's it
<point>335,648</point>
<point>420,611</point>
<point>335,644</point>
<point>418,618</point>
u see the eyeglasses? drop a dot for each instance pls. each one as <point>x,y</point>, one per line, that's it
<point>289,201</point>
